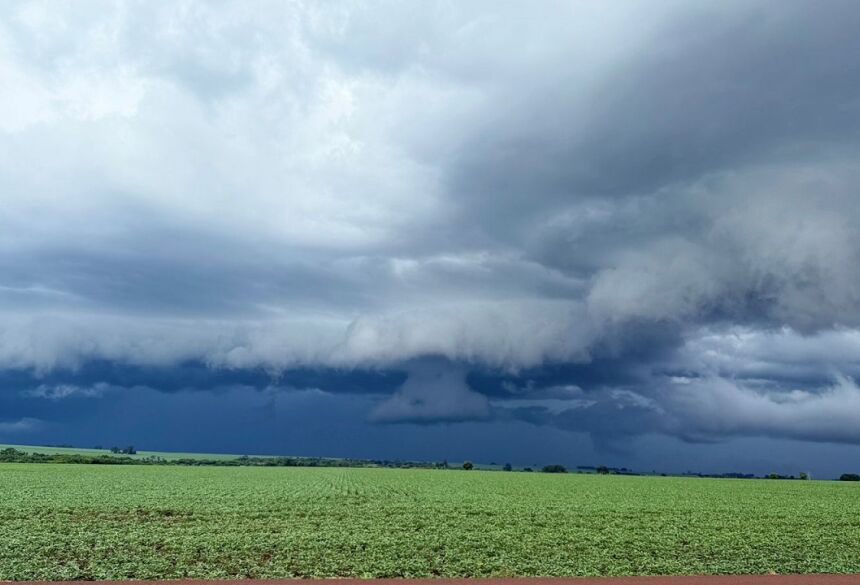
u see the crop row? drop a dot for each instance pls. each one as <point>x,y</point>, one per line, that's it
<point>92,522</point>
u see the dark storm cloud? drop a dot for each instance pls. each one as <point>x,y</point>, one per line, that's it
<point>713,88</point>
<point>199,376</point>
<point>620,221</point>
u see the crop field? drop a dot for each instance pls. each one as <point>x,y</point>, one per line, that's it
<point>175,455</point>
<point>168,455</point>
<point>144,522</point>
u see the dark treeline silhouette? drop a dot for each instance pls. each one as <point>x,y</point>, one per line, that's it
<point>604,470</point>
<point>11,455</point>
<point>122,456</point>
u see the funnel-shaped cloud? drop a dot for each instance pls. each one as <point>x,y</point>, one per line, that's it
<point>434,392</point>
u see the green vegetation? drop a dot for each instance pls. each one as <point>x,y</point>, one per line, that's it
<point>166,455</point>
<point>147,521</point>
<point>129,456</point>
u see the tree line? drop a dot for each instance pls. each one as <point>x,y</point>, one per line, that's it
<point>12,455</point>
<point>123,456</point>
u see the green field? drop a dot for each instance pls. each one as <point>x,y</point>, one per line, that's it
<point>124,522</point>
<point>177,456</point>
<point>167,455</point>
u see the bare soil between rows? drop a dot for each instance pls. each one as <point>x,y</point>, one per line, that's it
<point>650,580</point>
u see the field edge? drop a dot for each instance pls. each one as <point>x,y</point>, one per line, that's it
<point>769,579</point>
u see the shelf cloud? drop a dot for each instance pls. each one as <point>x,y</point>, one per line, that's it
<point>654,204</point>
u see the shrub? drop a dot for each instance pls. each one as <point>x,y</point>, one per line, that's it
<point>467,465</point>
<point>849,477</point>
<point>554,469</point>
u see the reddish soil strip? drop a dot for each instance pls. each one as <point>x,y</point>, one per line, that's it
<point>673,580</point>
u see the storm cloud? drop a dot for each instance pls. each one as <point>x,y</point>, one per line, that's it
<point>617,220</point>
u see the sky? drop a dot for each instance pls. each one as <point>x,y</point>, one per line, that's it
<point>568,232</point>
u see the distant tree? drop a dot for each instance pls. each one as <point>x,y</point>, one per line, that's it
<point>467,465</point>
<point>115,450</point>
<point>849,477</point>
<point>804,476</point>
<point>773,476</point>
<point>507,467</point>
<point>130,450</point>
<point>528,469</point>
<point>442,464</point>
<point>602,470</point>
<point>554,469</point>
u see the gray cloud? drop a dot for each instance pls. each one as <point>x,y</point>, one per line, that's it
<point>714,408</point>
<point>62,391</point>
<point>666,191</point>
<point>21,425</point>
<point>433,393</point>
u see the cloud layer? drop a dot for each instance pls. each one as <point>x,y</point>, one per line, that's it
<point>654,205</point>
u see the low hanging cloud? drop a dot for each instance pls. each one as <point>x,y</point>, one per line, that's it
<point>717,407</point>
<point>606,199</point>
<point>21,425</point>
<point>433,394</point>
<point>63,391</point>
